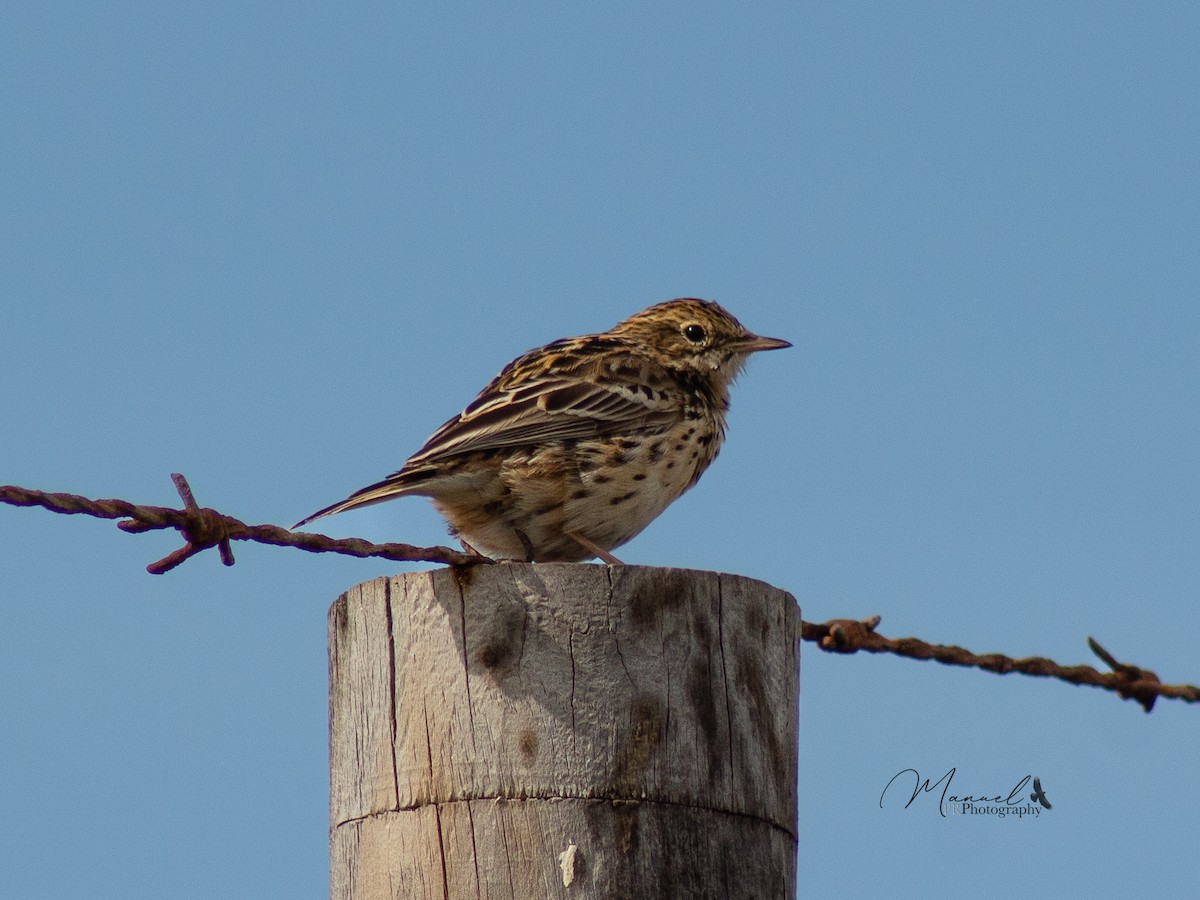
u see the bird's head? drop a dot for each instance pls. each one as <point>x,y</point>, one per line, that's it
<point>695,335</point>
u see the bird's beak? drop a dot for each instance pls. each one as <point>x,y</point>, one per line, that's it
<point>752,343</point>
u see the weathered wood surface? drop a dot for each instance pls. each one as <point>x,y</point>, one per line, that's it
<point>557,730</point>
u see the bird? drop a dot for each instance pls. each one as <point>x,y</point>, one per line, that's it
<point>576,446</point>
<point>1039,795</point>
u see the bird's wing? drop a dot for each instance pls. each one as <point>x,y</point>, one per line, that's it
<point>573,389</point>
<point>566,402</point>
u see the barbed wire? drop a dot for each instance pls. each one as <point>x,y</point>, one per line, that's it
<point>1126,680</point>
<point>202,527</point>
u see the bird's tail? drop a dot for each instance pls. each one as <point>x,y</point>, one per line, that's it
<point>397,485</point>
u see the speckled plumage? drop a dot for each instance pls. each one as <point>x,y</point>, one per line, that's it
<point>577,446</point>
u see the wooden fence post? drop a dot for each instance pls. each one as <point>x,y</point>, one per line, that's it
<point>557,730</point>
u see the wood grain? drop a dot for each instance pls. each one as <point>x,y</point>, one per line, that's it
<point>525,731</point>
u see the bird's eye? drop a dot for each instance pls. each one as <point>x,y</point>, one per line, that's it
<point>694,333</point>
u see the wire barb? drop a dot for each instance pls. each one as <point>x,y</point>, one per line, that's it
<point>1137,681</point>
<point>205,528</point>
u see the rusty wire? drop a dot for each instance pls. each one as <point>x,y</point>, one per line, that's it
<point>1129,681</point>
<point>202,528</point>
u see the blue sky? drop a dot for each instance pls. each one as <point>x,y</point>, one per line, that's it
<point>273,247</point>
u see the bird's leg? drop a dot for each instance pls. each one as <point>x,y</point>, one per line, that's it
<point>500,559</point>
<point>526,543</point>
<point>598,552</point>
<point>467,548</point>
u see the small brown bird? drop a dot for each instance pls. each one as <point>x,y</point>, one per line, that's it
<point>577,446</point>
